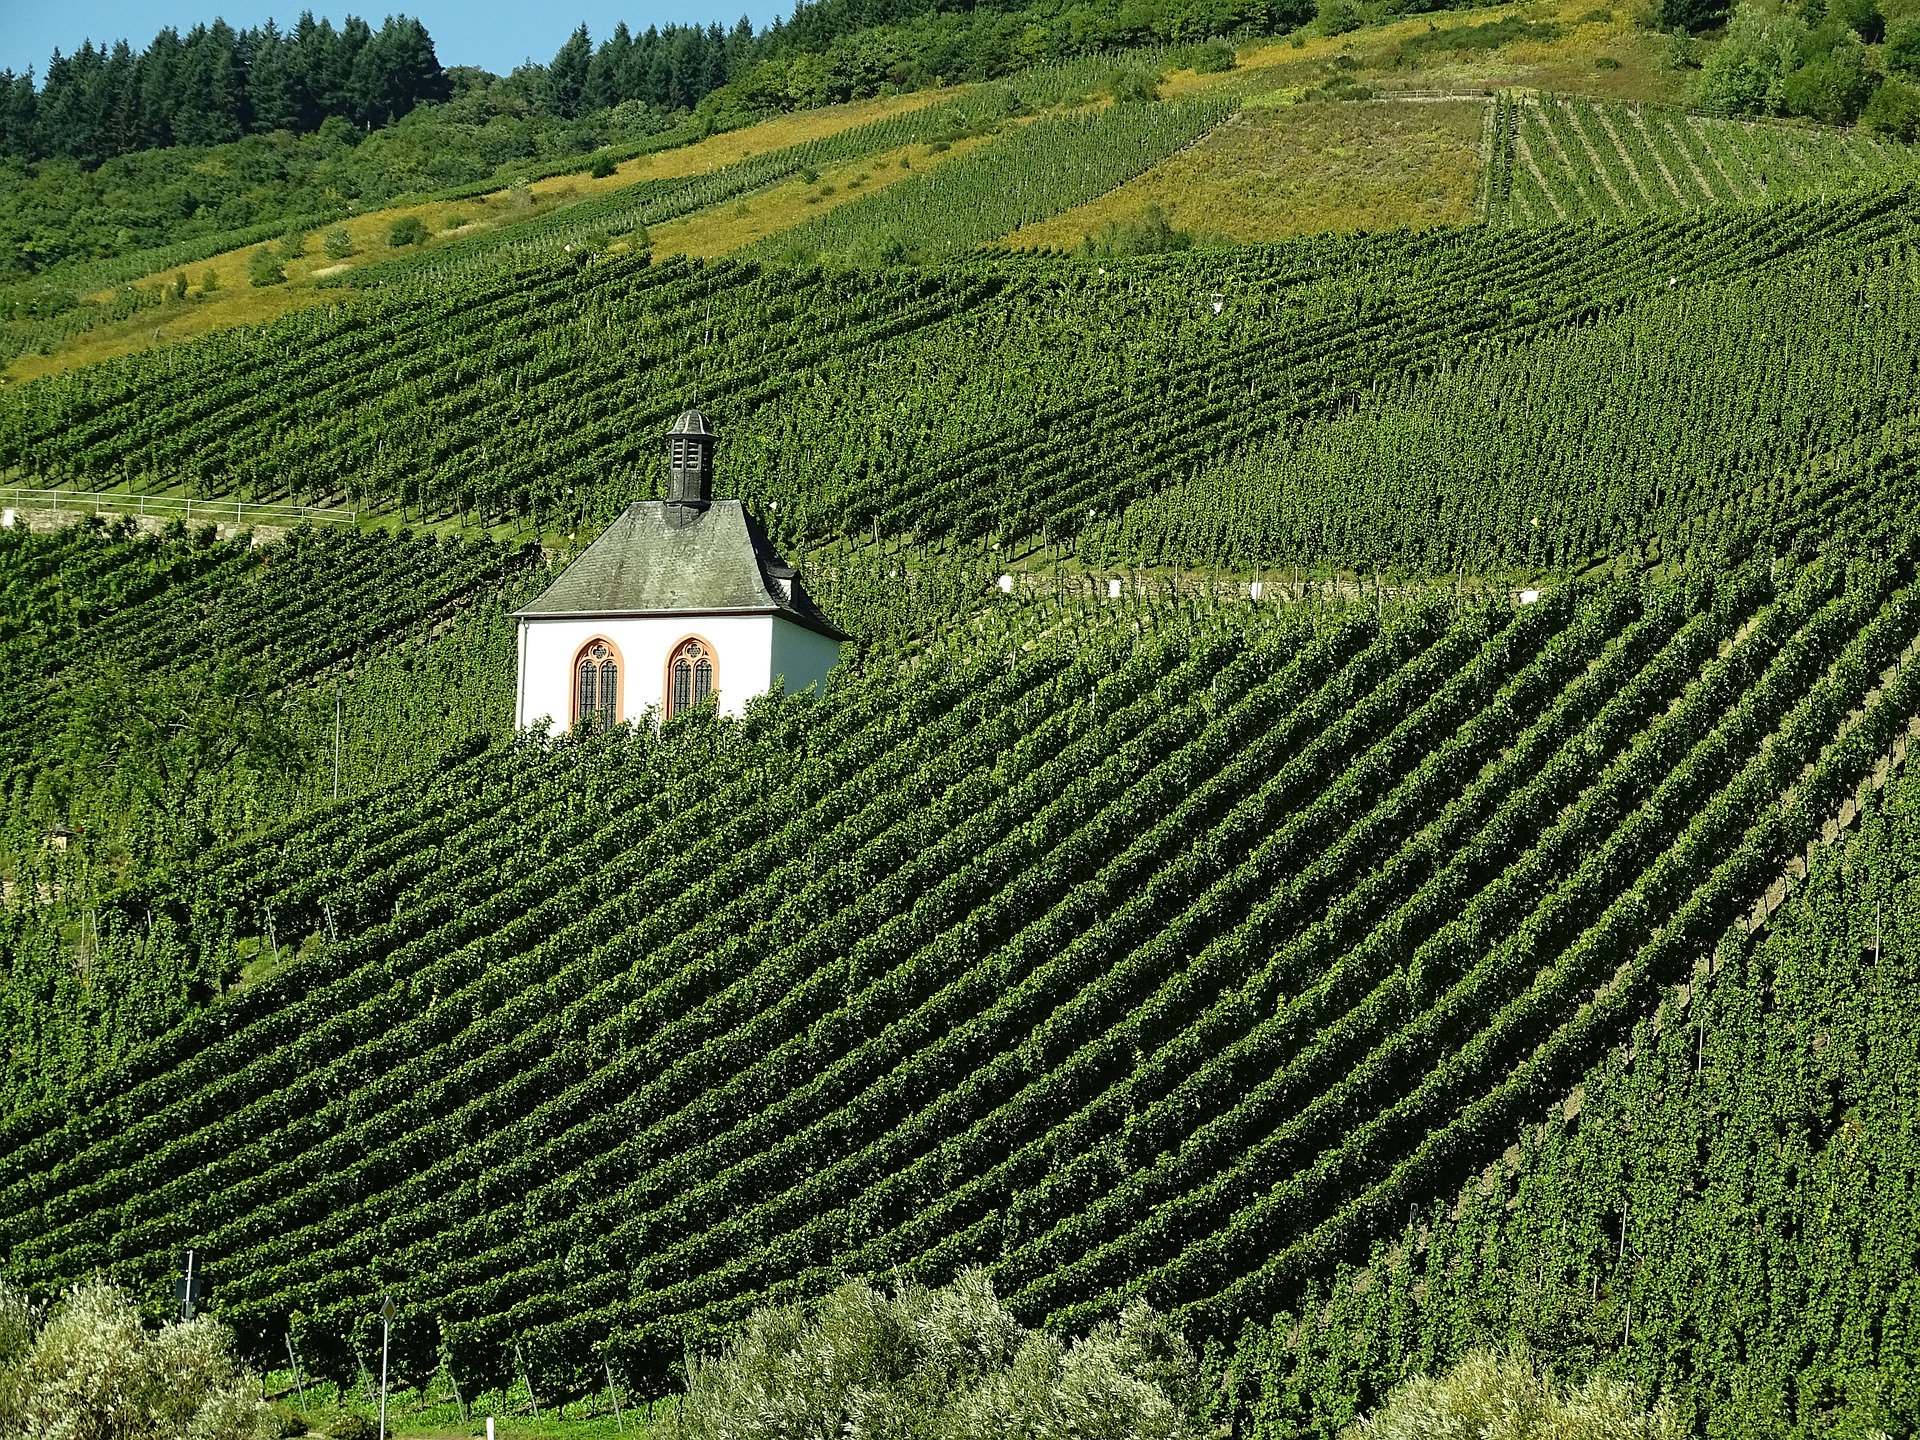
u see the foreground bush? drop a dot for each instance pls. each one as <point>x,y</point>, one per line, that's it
<point>93,1372</point>
<point>949,1364</point>
<point>1500,1397</point>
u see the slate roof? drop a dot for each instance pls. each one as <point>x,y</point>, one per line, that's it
<point>717,563</point>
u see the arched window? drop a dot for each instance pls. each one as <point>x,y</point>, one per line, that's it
<point>690,675</point>
<point>596,683</point>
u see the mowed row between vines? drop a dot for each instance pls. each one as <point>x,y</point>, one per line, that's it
<point>1171,949</point>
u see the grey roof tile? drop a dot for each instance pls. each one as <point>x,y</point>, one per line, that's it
<point>719,562</point>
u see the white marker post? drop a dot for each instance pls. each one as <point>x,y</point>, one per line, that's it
<point>386,1330</point>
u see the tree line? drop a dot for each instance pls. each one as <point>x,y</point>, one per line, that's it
<point>216,84</point>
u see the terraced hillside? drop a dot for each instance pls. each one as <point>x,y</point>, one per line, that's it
<point>1121,948</point>
<point>535,394</point>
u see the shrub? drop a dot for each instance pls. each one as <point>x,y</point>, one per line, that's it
<point>1745,73</point>
<point>407,230</point>
<point>603,166</point>
<point>180,286</point>
<point>454,221</point>
<point>209,282</point>
<point>1901,52</point>
<point>948,1364</point>
<point>1862,17</point>
<point>1688,16</point>
<point>1134,86</point>
<point>263,268</point>
<point>1832,89</point>
<point>1337,17</point>
<point>93,1369</point>
<point>1894,110</point>
<point>1214,57</point>
<point>1500,1397</point>
<point>336,243</point>
<point>293,244</point>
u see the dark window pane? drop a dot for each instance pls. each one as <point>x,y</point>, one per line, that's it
<point>609,689</point>
<point>702,681</point>
<point>682,684</point>
<point>588,696</point>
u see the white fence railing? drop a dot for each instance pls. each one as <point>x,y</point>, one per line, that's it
<point>103,502</point>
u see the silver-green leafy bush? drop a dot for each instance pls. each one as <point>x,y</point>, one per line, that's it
<point>92,1371</point>
<point>936,1364</point>
<point>1493,1396</point>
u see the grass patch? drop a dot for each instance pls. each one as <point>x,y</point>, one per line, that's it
<point>1274,171</point>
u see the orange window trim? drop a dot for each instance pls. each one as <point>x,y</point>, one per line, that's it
<point>712,657</point>
<point>619,678</point>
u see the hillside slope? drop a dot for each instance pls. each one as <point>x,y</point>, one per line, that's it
<point>535,396</point>
<point>1121,949</point>
<point>1725,1209</point>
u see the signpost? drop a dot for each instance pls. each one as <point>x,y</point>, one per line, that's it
<point>386,1331</point>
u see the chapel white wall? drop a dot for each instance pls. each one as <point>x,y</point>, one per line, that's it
<point>742,646</point>
<point>801,657</point>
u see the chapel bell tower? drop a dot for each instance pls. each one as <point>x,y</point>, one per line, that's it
<point>689,468</point>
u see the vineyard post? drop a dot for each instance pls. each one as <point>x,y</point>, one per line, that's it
<point>339,694</point>
<point>386,1332</point>
<point>297,1385</point>
<point>613,1393</point>
<point>527,1375</point>
<point>187,1289</point>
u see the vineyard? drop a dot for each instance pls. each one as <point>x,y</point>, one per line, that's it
<point>1368,803</point>
<point>1735,1178</point>
<point>1157,948</point>
<point>534,393</point>
<point>1557,158</point>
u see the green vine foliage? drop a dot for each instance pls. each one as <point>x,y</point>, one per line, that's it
<point>1158,946</point>
<point>1755,1134</point>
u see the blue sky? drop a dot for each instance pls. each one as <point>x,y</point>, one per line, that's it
<point>498,34</point>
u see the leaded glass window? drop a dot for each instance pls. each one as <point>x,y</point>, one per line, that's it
<point>690,676</point>
<point>596,686</point>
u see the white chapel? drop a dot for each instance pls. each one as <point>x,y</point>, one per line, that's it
<point>679,602</point>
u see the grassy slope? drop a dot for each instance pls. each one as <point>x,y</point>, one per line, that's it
<point>1274,171</point>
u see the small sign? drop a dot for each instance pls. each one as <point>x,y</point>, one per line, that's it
<point>386,1309</point>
